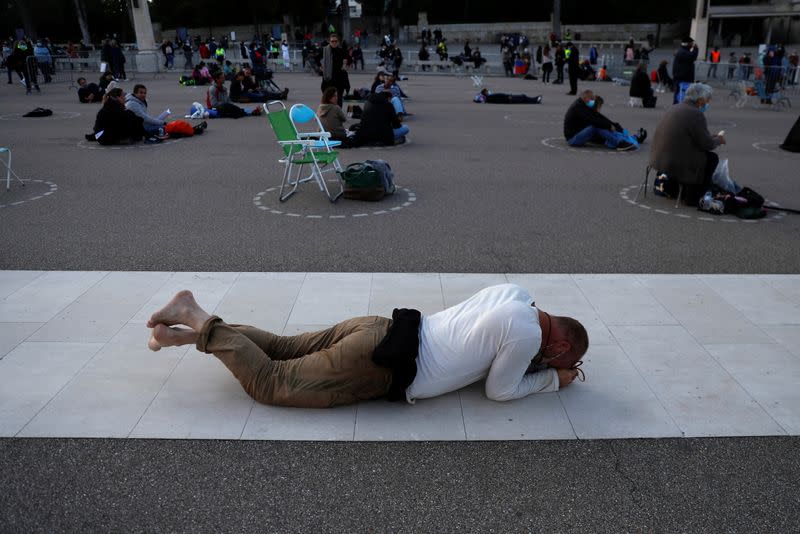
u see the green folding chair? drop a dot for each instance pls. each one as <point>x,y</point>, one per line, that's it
<point>300,150</point>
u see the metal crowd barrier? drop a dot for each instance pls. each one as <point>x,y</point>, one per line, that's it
<point>40,71</point>
<point>786,78</point>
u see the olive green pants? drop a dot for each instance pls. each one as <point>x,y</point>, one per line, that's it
<point>312,370</point>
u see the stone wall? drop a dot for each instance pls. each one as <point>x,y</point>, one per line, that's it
<point>538,31</point>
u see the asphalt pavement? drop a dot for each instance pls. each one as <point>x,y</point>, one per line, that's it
<point>488,188</point>
<point>671,485</point>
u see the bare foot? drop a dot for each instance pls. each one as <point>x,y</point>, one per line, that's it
<point>165,336</point>
<point>177,311</point>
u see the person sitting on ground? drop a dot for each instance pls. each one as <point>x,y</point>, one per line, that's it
<point>394,90</point>
<point>488,97</point>
<point>227,68</point>
<point>137,103</point>
<point>498,335</point>
<point>640,86</point>
<point>333,118</point>
<point>89,92</point>
<point>637,140</point>
<point>114,124</point>
<point>583,125</point>
<point>241,95</point>
<point>477,57</point>
<point>683,148</point>
<point>380,123</point>
<point>602,74</point>
<point>219,103</point>
<point>201,74</point>
<point>107,81</point>
<point>378,80</point>
<point>586,72</point>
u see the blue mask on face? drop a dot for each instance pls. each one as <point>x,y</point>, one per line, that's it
<point>590,103</point>
<point>704,107</point>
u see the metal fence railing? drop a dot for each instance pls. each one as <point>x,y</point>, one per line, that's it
<point>66,69</point>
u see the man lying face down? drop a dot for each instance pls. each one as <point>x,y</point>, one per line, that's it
<point>498,335</point>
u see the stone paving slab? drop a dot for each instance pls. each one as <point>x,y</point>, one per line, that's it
<point>670,356</point>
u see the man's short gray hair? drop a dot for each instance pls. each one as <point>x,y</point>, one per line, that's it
<point>696,91</point>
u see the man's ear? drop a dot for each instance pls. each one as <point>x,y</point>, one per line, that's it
<point>562,346</point>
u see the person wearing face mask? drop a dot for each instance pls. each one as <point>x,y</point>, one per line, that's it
<point>584,125</point>
<point>683,148</point>
<point>498,335</point>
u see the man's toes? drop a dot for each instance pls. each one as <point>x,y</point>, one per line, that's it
<point>153,345</point>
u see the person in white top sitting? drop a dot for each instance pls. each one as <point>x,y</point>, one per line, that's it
<point>498,334</point>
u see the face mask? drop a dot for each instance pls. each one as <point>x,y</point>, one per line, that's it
<point>704,107</point>
<point>590,103</point>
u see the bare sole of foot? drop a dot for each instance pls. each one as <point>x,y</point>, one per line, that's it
<point>176,310</point>
<point>170,336</point>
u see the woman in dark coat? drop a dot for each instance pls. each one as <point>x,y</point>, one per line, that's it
<point>640,84</point>
<point>116,123</point>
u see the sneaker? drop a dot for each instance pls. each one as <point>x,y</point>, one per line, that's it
<point>90,137</point>
<point>538,99</point>
<point>659,185</point>
<point>624,146</point>
<point>641,136</point>
<point>203,125</point>
<point>285,94</point>
<point>152,140</point>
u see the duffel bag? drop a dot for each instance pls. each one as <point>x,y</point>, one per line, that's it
<point>362,182</point>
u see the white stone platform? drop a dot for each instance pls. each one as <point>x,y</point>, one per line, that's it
<point>670,355</point>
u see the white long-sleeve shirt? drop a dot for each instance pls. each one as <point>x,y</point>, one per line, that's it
<point>495,335</point>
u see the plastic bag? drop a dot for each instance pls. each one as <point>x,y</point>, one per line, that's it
<point>722,179</point>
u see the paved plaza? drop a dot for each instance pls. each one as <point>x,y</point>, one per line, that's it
<point>693,321</point>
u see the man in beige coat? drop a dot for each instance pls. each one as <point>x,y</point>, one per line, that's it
<point>682,146</point>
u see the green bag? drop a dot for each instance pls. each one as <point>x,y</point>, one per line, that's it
<point>362,182</point>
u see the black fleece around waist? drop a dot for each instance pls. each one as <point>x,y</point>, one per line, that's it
<point>398,351</point>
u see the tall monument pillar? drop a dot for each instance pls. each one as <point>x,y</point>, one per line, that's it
<point>699,30</point>
<point>146,60</point>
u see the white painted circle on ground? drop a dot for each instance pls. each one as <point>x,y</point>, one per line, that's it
<point>666,206</point>
<point>88,145</point>
<point>268,202</point>
<point>560,144</point>
<point>772,147</point>
<point>57,115</point>
<point>38,193</point>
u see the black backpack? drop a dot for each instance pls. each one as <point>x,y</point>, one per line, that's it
<point>746,204</point>
<point>39,112</point>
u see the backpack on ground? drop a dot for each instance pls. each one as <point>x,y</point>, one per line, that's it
<point>746,204</point>
<point>39,112</point>
<point>365,181</point>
